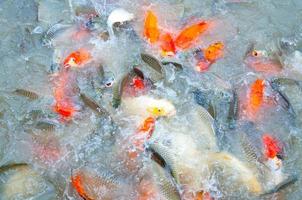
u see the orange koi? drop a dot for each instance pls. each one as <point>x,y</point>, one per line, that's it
<point>77,58</point>
<point>78,185</point>
<point>63,92</point>
<point>151,30</point>
<point>167,45</point>
<point>272,146</point>
<point>186,37</point>
<point>214,51</point>
<point>256,97</point>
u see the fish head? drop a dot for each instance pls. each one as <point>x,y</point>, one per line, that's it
<point>161,108</point>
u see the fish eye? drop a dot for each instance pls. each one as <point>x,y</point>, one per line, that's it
<point>255,53</point>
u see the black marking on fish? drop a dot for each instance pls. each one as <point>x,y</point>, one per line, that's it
<point>93,105</point>
<point>101,71</point>
<point>26,93</point>
<point>138,73</point>
<point>152,62</point>
<point>12,166</point>
<point>178,66</point>
<point>118,91</point>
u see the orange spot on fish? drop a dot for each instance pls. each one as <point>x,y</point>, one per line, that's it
<point>77,58</point>
<point>272,146</point>
<point>151,30</point>
<point>214,51</point>
<point>188,36</point>
<point>138,83</point>
<point>78,185</point>
<point>167,45</point>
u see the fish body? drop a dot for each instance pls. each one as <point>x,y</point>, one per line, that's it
<point>77,58</point>
<point>189,34</point>
<point>152,62</point>
<point>93,105</point>
<point>27,93</point>
<point>119,15</point>
<point>146,106</point>
<point>255,98</point>
<point>151,30</point>
<point>167,45</point>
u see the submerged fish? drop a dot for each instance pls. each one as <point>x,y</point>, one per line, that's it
<point>26,93</point>
<point>118,91</point>
<point>188,35</point>
<point>152,62</point>
<point>46,125</point>
<point>88,184</point>
<point>261,62</point>
<point>151,30</point>
<point>52,32</point>
<point>93,105</point>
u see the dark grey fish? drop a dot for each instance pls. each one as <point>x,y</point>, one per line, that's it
<point>248,149</point>
<point>152,62</point>
<point>201,99</point>
<point>46,126</point>
<point>26,93</point>
<point>233,110</point>
<point>101,71</point>
<point>93,105</point>
<point>118,91</point>
<point>51,33</point>
<point>178,66</point>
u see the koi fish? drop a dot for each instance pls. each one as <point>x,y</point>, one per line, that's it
<point>77,58</point>
<point>255,98</point>
<point>214,51</point>
<point>167,45</point>
<point>206,57</point>
<point>78,185</point>
<point>63,92</point>
<point>272,147</point>
<point>187,36</point>
<point>261,62</point>
<point>151,30</point>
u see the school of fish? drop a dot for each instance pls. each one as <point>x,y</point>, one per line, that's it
<point>134,108</point>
